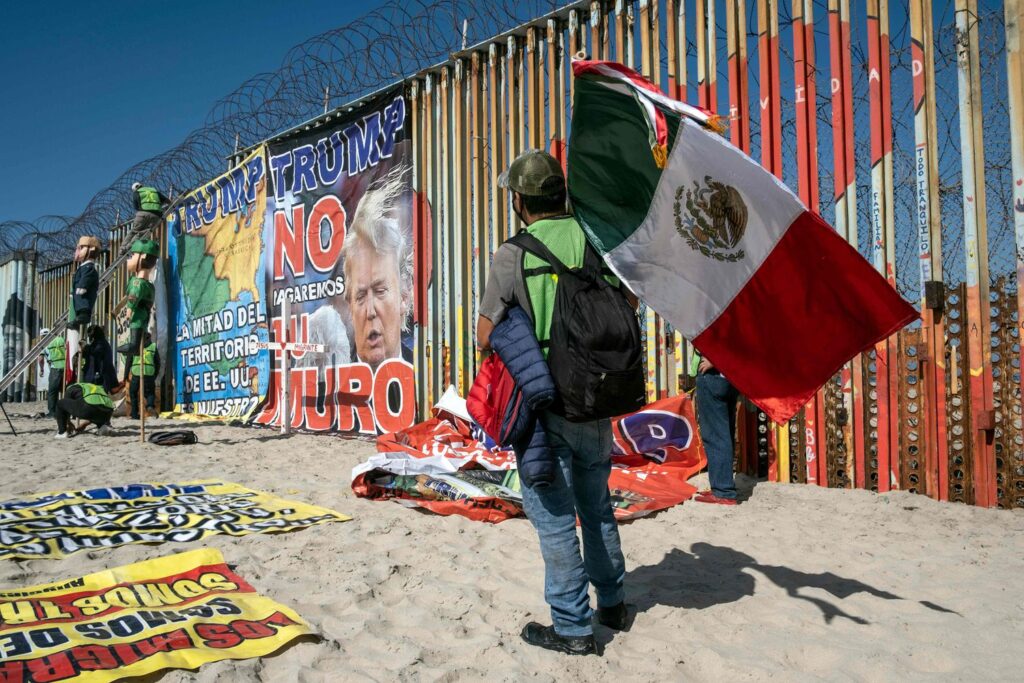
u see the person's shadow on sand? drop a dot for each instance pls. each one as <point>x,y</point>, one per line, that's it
<point>712,575</point>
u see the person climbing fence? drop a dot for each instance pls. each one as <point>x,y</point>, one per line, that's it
<point>149,204</point>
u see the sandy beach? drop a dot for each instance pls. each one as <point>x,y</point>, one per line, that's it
<point>797,583</point>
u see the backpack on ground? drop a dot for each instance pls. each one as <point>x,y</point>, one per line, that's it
<point>175,437</point>
<point>594,353</point>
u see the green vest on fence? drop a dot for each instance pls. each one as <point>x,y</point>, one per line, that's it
<point>57,351</point>
<point>149,199</point>
<point>148,366</point>
<point>565,239</point>
<point>95,395</point>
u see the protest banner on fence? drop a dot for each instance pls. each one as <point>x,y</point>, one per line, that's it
<point>440,465</point>
<point>339,228</point>
<point>216,255</point>
<point>179,611</point>
<point>53,525</point>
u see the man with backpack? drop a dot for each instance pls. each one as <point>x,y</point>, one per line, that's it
<point>587,329</point>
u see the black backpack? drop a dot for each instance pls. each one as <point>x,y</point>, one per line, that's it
<point>176,437</point>
<point>594,354</point>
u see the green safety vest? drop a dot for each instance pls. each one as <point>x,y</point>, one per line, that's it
<point>148,366</point>
<point>57,351</point>
<point>95,395</point>
<point>149,199</point>
<point>565,239</point>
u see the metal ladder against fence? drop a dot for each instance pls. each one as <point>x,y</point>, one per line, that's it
<point>60,325</point>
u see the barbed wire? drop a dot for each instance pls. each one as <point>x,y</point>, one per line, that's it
<point>393,41</point>
<point>995,114</point>
<point>399,39</point>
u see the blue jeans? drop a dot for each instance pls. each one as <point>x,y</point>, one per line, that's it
<point>716,418</point>
<point>580,488</point>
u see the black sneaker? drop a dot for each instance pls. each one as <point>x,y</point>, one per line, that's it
<point>613,617</point>
<point>545,637</point>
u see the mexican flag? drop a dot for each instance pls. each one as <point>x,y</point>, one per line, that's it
<point>718,246</point>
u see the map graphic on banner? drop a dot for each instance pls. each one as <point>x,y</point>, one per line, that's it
<point>440,465</point>
<point>179,611</point>
<point>54,525</point>
<point>216,255</point>
<point>339,228</point>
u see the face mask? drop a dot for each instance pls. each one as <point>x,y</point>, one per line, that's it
<point>517,212</point>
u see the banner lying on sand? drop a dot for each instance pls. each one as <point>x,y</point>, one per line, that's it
<point>180,612</point>
<point>440,465</point>
<point>217,266</point>
<point>53,525</point>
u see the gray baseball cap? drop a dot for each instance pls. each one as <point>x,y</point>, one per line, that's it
<point>534,173</point>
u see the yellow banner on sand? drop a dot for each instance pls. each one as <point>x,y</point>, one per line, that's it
<point>54,525</point>
<point>179,611</point>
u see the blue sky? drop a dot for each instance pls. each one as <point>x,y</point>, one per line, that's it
<point>89,88</point>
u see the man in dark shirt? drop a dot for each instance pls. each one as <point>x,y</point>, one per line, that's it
<point>99,360</point>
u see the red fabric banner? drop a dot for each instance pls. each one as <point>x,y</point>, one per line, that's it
<point>441,465</point>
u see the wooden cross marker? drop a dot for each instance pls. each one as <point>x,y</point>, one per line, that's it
<point>286,347</point>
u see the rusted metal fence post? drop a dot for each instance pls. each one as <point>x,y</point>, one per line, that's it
<point>928,223</point>
<point>881,398</point>
<point>972,154</point>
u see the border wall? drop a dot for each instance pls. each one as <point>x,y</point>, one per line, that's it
<point>901,122</point>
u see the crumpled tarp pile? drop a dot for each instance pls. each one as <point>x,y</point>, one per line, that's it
<point>449,466</point>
